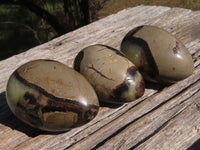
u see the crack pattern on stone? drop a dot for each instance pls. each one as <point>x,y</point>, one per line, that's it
<point>101,74</point>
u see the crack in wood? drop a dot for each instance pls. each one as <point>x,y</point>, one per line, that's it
<point>194,92</point>
<point>154,109</point>
<point>158,129</point>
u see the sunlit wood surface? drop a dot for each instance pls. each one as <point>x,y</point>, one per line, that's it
<point>166,117</point>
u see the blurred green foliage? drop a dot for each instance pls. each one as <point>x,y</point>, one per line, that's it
<point>12,31</point>
<point>20,29</point>
<point>27,23</point>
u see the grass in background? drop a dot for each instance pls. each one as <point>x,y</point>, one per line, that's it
<point>113,6</point>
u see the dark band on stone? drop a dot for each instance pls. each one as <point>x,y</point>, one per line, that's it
<point>153,67</point>
<point>132,71</point>
<point>77,61</point>
<point>50,96</point>
<point>124,86</point>
<point>132,32</point>
<point>30,105</point>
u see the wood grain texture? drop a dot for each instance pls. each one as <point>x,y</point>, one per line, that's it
<point>166,117</point>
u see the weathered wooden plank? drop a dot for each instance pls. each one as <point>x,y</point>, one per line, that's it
<point>180,131</point>
<point>149,122</point>
<point>150,125</point>
<point>140,110</point>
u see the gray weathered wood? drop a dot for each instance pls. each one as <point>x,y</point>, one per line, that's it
<point>166,117</point>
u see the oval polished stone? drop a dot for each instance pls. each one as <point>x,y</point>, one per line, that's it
<point>159,56</point>
<point>50,96</point>
<point>114,78</point>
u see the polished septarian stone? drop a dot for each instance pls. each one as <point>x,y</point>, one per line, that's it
<point>158,55</point>
<point>114,78</point>
<point>50,96</point>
